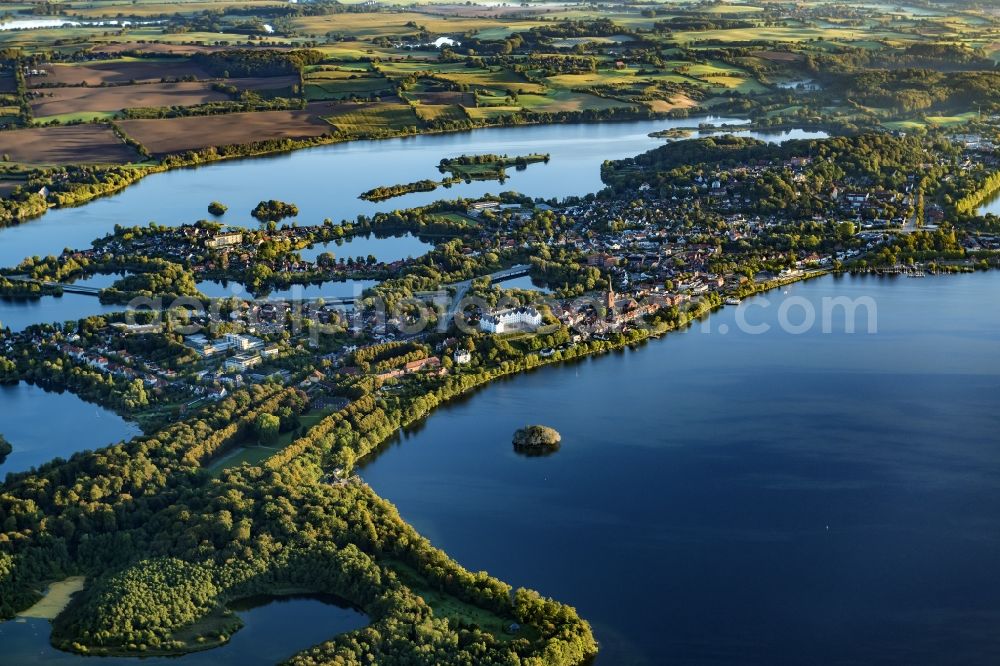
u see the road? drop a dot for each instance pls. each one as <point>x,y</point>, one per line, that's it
<point>462,288</point>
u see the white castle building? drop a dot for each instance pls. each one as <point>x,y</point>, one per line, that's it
<point>504,321</point>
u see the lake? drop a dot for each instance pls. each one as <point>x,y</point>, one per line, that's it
<point>42,425</point>
<point>19,314</point>
<point>325,181</point>
<point>333,289</point>
<point>990,207</point>
<point>524,282</point>
<point>728,498</point>
<point>274,629</point>
<point>386,249</point>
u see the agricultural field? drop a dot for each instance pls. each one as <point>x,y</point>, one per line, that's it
<point>375,71</point>
<point>99,10</point>
<point>353,118</point>
<point>336,84</point>
<point>76,144</point>
<point>780,34</point>
<point>171,135</point>
<point>112,49</point>
<point>265,84</point>
<point>440,113</point>
<point>501,80</point>
<point>8,84</point>
<point>47,102</point>
<point>492,112</point>
<point>566,100</point>
<point>117,71</point>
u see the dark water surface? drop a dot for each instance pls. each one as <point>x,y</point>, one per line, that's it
<point>274,629</point>
<point>42,425</point>
<point>745,499</point>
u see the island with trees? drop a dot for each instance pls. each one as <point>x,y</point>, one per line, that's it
<point>463,168</point>
<point>488,166</point>
<point>5,449</point>
<point>273,210</point>
<point>389,191</point>
<point>673,133</point>
<point>536,439</point>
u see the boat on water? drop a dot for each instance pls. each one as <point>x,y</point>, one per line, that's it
<point>732,300</point>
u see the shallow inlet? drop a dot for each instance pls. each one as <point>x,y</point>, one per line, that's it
<point>41,425</point>
<point>274,629</point>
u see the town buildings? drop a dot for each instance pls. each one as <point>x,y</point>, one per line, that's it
<point>511,319</point>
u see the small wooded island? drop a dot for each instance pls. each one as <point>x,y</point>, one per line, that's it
<point>462,168</point>
<point>672,133</point>
<point>5,449</point>
<point>536,439</point>
<point>488,166</point>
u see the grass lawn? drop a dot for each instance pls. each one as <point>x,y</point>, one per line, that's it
<point>947,121</point>
<point>252,453</point>
<point>56,598</point>
<point>932,121</point>
<point>446,605</point>
<point>457,219</point>
<point>905,125</point>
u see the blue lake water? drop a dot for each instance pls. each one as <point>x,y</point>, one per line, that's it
<point>387,249</point>
<point>274,629</point>
<point>336,289</point>
<point>991,207</point>
<point>729,498</point>
<point>18,314</point>
<point>43,425</point>
<point>325,181</point>
<point>524,282</point>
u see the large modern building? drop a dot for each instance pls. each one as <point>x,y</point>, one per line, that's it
<point>512,319</point>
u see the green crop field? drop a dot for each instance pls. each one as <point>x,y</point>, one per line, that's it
<point>489,113</point>
<point>440,112</point>
<point>382,116</point>
<point>331,84</point>
<point>567,100</point>
<point>493,80</point>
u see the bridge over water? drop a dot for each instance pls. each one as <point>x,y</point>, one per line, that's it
<point>461,288</point>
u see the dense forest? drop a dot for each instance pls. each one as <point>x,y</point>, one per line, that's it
<point>165,546</point>
<point>257,62</point>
